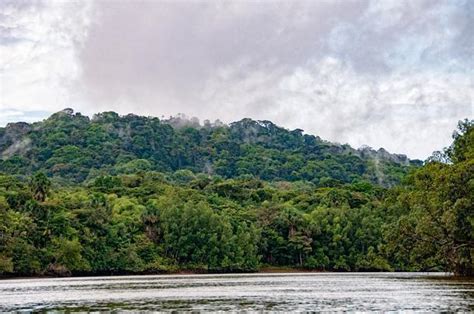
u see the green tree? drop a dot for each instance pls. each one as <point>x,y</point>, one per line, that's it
<point>436,226</point>
<point>40,186</point>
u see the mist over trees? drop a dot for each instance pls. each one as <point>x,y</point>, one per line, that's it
<point>130,194</point>
<point>76,148</point>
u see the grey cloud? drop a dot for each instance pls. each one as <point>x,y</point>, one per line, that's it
<point>393,73</point>
<point>15,115</point>
<point>175,47</point>
<point>38,45</point>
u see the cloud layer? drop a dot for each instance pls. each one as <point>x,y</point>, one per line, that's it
<point>397,74</point>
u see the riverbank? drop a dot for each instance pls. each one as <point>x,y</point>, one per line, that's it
<point>263,270</point>
<point>184,272</point>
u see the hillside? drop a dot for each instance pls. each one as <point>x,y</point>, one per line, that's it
<point>72,146</point>
<point>124,217</point>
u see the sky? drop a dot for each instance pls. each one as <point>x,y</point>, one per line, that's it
<point>394,74</point>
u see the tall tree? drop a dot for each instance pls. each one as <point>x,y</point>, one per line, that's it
<point>40,185</point>
<point>436,227</point>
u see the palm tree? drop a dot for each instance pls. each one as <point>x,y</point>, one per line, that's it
<point>39,186</point>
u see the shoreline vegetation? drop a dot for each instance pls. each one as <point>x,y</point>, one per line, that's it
<point>116,195</point>
<point>263,270</point>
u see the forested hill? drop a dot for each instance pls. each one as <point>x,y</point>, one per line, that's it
<point>72,146</point>
<point>126,219</point>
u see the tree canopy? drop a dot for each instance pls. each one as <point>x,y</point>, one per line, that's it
<point>138,195</point>
<point>73,147</point>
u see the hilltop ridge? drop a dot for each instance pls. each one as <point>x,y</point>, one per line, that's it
<point>75,147</point>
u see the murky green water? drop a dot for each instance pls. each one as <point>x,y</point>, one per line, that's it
<point>242,292</point>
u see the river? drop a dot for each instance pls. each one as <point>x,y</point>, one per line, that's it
<point>425,292</point>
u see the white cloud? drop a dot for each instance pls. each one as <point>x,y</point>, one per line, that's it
<point>392,73</point>
<point>38,52</point>
<point>329,98</point>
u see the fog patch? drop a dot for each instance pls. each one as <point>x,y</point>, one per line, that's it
<point>19,147</point>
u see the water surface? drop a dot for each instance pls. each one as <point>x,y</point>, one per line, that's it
<point>242,292</point>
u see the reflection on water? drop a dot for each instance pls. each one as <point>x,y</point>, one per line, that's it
<point>242,292</point>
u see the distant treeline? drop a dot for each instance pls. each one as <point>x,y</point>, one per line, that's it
<point>75,148</point>
<point>65,220</point>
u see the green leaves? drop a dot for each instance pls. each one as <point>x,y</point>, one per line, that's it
<point>68,253</point>
<point>73,147</point>
<point>129,218</point>
<point>439,210</point>
<point>40,185</point>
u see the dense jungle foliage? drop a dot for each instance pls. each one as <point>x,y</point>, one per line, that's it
<point>76,148</point>
<point>141,195</point>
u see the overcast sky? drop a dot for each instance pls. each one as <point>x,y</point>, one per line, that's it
<point>393,74</point>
